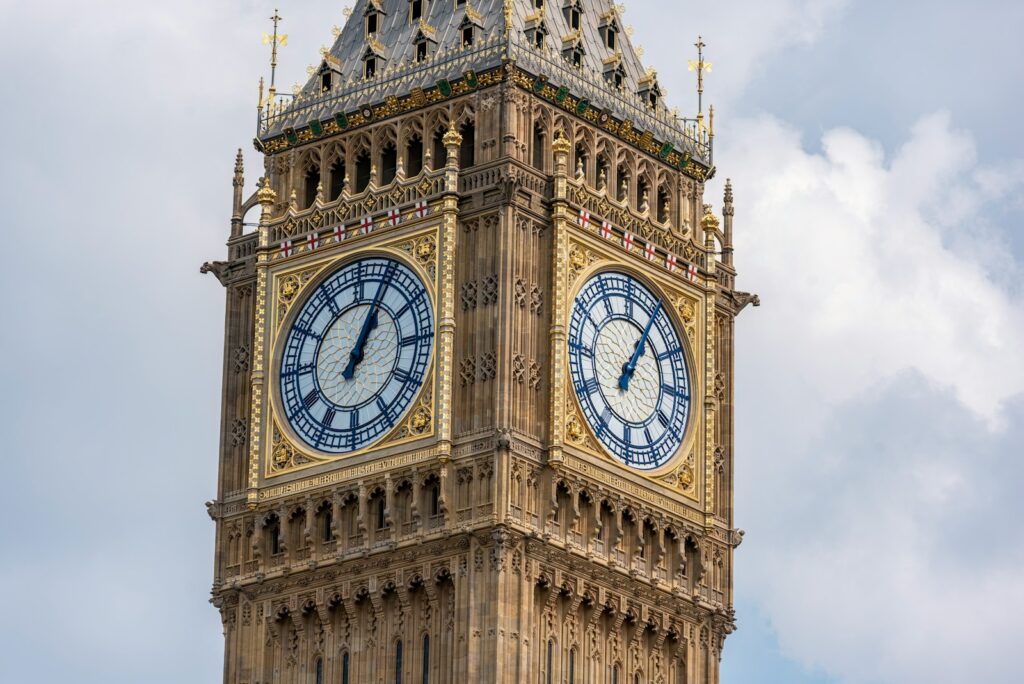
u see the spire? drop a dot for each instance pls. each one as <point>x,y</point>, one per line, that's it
<point>238,185</point>
<point>701,67</point>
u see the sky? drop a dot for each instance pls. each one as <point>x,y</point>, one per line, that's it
<point>879,182</point>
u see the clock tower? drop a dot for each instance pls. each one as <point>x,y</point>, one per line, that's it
<point>478,385</point>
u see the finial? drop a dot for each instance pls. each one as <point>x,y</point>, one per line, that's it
<point>624,189</point>
<point>260,105</point>
<point>602,180</point>
<point>645,202</point>
<point>400,168</point>
<point>452,138</point>
<point>274,41</point>
<point>701,67</point>
<point>579,168</point>
<point>320,193</point>
<point>508,17</point>
<point>728,191</point>
<point>346,186</point>
<point>561,144</point>
<point>710,221</point>
<point>266,195</point>
<point>293,202</point>
<point>239,163</point>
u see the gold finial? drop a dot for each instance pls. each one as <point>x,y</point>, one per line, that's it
<point>710,221</point>
<point>561,144</point>
<point>701,67</point>
<point>452,138</point>
<point>508,17</point>
<point>266,195</point>
<point>260,106</point>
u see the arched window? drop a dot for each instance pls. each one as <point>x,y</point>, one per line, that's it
<point>326,529</point>
<point>312,182</point>
<point>337,178</point>
<point>615,675</point>
<point>440,152</point>
<point>381,518</point>
<point>388,164</point>
<point>435,499</point>
<point>426,659</point>
<point>538,147</point>
<point>362,171</point>
<point>398,662</point>
<point>572,666</point>
<point>319,671</point>
<point>551,662</point>
<point>414,157</point>
<point>344,668</point>
<point>467,152</point>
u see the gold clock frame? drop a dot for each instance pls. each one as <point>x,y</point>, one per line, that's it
<point>283,452</point>
<point>682,472</point>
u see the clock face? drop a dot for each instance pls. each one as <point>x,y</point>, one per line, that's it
<point>356,355</point>
<point>629,370</point>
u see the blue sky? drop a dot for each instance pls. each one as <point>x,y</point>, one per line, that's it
<point>878,167</point>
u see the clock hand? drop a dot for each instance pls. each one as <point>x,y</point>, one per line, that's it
<point>368,326</point>
<point>641,349</point>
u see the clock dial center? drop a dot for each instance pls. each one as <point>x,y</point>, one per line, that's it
<point>616,343</point>
<point>373,371</point>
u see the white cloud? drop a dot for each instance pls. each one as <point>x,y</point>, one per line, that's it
<point>856,277</point>
<point>885,332</point>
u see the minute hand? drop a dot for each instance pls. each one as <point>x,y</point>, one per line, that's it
<point>368,325</point>
<point>641,348</point>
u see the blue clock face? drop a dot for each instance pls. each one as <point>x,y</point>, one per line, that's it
<point>356,355</point>
<point>629,370</point>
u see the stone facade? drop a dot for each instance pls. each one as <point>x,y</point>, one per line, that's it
<point>487,538</point>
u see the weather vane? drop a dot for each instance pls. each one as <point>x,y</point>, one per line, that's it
<point>701,67</point>
<point>274,40</point>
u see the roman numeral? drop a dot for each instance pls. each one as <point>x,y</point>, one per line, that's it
<point>328,420</point>
<point>310,399</point>
<point>669,354</point>
<point>663,419</point>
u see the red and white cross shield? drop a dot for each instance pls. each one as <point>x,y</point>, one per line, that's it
<point>627,240</point>
<point>606,230</point>
<point>650,251</point>
<point>691,273</point>
<point>366,225</point>
<point>584,219</point>
<point>670,263</point>
<point>339,232</point>
<point>313,241</point>
<point>395,217</point>
<point>286,248</point>
<point>422,209</point>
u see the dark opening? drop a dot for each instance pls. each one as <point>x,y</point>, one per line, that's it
<point>370,69</point>
<point>312,181</point>
<point>417,9</point>
<point>319,671</point>
<point>467,36</point>
<point>414,157</point>
<point>551,662</point>
<point>381,518</point>
<point>426,659</point>
<point>435,500</point>
<point>388,164</point>
<point>325,81</point>
<point>421,51</point>
<point>371,23</point>
<point>275,539</point>
<point>538,147</point>
<point>611,38</point>
<point>337,179</point>
<point>440,153</point>
<point>328,533</point>
<point>344,669</point>
<point>572,666</point>
<point>662,205</point>
<point>362,171</point>
<point>467,153</point>
<point>398,663</point>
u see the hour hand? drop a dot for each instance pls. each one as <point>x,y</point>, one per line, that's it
<point>357,353</point>
<point>638,352</point>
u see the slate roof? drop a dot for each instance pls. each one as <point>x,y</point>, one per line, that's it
<point>398,71</point>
